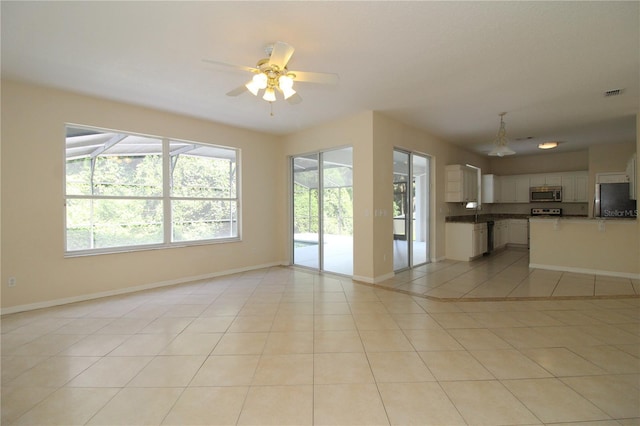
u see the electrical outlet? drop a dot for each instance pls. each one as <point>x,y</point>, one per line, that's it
<point>12,281</point>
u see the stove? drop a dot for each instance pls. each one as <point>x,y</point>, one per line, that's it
<point>546,212</point>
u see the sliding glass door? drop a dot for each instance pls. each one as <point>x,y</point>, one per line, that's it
<point>323,210</point>
<point>421,217</point>
<point>306,210</point>
<point>401,214</point>
<point>410,209</point>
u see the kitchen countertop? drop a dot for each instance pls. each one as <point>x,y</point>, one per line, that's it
<point>586,219</point>
<point>483,218</point>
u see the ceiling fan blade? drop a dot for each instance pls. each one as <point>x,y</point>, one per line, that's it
<point>237,91</point>
<point>315,77</point>
<point>294,99</point>
<point>281,54</point>
<point>224,64</point>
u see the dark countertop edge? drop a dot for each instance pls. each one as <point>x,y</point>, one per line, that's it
<point>594,219</point>
<point>502,216</point>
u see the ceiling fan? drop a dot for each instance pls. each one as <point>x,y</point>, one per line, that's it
<point>272,75</point>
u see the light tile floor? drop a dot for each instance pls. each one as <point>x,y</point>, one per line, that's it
<point>284,346</point>
<point>505,275</point>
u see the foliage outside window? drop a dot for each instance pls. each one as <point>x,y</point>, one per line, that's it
<point>127,191</point>
<point>337,200</point>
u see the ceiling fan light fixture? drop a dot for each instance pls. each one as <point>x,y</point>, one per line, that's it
<point>252,87</point>
<point>285,83</point>
<point>269,95</point>
<point>287,92</point>
<point>501,143</point>
<point>260,80</point>
<point>548,145</point>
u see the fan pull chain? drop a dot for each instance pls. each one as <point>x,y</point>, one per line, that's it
<point>271,106</point>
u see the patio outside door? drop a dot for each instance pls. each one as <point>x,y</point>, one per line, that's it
<point>323,210</point>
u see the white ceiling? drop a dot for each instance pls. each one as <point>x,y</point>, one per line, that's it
<point>446,67</point>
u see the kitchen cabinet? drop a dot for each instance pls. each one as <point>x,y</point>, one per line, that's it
<point>465,241</point>
<point>545,179</point>
<point>519,232</point>
<point>491,189</point>
<point>479,239</point>
<point>500,234</point>
<point>574,187</point>
<point>515,189</point>
<point>461,184</point>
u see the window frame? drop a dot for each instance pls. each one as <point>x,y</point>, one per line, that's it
<point>166,199</point>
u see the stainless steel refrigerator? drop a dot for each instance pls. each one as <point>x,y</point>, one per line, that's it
<point>612,201</point>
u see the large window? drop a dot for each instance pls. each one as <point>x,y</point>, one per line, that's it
<point>125,191</point>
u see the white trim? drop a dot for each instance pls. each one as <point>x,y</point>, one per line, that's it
<point>630,275</point>
<point>91,296</point>
<point>374,280</point>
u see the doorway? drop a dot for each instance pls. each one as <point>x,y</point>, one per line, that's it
<point>323,210</point>
<point>411,216</point>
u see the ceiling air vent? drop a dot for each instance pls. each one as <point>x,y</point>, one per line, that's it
<point>614,92</point>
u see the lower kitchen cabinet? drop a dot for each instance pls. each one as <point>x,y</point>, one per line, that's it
<point>500,234</point>
<point>465,241</point>
<point>479,239</point>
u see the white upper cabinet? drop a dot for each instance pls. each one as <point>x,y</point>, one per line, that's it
<point>491,189</point>
<point>515,189</point>
<point>545,179</point>
<point>574,187</point>
<point>461,184</point>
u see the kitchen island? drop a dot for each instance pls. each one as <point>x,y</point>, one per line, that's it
<point>585,245</point>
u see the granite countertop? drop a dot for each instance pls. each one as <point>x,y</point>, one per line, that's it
<point>482,218</point>
<point>585,218</point>
<point>485,217</point>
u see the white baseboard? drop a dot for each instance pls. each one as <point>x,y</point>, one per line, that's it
<point>92,296</point>
<point>374,280</point>
<point>585,271</point>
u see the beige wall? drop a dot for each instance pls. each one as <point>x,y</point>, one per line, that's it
<point>355,131</point>
<point>542,163</point>
<point>373,137</point>
<point>32,160</point>
<point>33,126</point>
<point>610,157</point>
<point>389,134</point>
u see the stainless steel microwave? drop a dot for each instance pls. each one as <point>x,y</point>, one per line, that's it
<point>539,194</point>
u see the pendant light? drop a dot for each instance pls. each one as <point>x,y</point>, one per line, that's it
<point>501,143</point>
